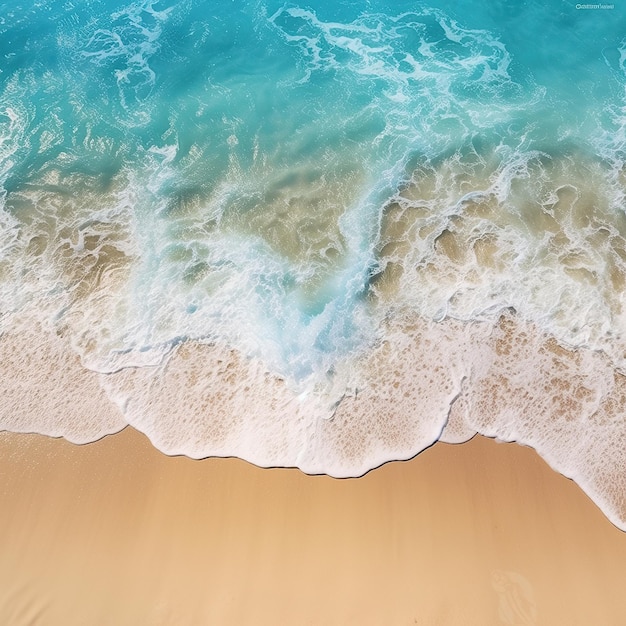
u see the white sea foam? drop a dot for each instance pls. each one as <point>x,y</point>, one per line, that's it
<point>421,74</point>
<point>45,389</point>
<point>473,237</point>
<point>509,381</point>
<point>126,48</point>
<point>568,405</point>
<point>391,404</point>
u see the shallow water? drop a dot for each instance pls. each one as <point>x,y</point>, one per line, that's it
<point>300,234</point>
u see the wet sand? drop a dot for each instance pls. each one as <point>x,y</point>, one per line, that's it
<point>116,533</point>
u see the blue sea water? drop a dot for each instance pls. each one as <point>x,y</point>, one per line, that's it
<point>283,178</point>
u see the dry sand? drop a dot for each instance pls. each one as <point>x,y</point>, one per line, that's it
<point>116,533</point>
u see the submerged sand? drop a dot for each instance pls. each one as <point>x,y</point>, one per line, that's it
<point>114,532</point>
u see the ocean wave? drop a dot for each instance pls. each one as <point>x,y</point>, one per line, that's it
<point>314,236</point>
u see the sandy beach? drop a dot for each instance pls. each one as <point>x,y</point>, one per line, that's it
<point>117,533</point>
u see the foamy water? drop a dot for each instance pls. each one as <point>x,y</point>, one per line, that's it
<point>317,236</point>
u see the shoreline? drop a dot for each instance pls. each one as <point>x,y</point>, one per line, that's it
<point>509,381</point>
<point>115,532</point>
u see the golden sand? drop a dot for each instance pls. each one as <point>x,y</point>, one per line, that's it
<point>115,533</point>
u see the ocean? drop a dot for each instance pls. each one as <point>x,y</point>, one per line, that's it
<point>322,235</point>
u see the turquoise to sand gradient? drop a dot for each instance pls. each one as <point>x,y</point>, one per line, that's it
<point>296,184</point>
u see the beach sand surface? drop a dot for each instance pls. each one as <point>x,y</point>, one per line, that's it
<point>116,533</point>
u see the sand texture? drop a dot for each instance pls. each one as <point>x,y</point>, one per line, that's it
<point>115,533</point>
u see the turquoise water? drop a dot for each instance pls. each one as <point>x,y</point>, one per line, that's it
<point>287,179</point>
